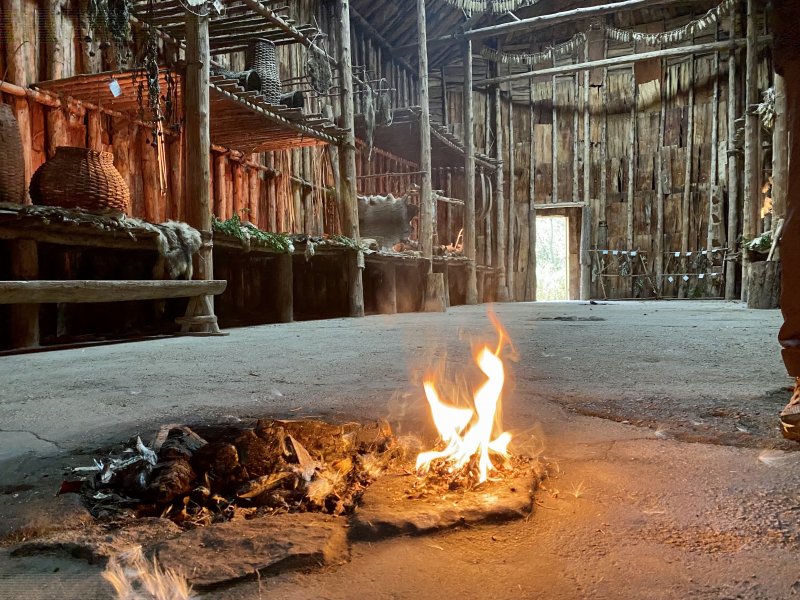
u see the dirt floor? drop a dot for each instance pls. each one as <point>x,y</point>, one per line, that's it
<point>673,481</point>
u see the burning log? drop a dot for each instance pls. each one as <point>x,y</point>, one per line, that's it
<point>171,480</point>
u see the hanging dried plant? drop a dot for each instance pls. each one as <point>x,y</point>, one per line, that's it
<point>112,18</point>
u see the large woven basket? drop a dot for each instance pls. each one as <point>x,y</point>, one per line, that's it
<point>263,58</point>
<point>12,167</point>
<point>81,178</point>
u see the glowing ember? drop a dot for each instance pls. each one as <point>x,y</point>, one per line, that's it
<point>469,433</point>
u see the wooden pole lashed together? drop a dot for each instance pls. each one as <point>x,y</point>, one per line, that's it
<point>347,201</point>
<point>426,206</point>
<point>733,174</point>
<point>469,176</point>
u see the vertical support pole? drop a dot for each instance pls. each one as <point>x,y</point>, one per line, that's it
<point>530,274</point>
<point>469,176</point>
<point>660,189</point>
<point>586,213</point>
<point>198,140</point>
<point>632,158</point>
<point>348,204</point>
<point>576,127</point>
<point>714,199</point>
<point>687,182</point>
<point>733,172</point>
<point>427,207</point>
<point>502,288</point>
<point>512,208</point>
<point>752,187</point>
<point>445,111</point>
<point>554,138</point>
<point>284,293</point>
<point>780,152</point>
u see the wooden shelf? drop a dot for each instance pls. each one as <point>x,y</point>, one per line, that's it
<point>240,120</point>
<point>402,138</point>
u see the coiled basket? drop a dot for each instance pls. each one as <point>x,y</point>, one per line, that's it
<point>81,178</point>
<point>263,58</point>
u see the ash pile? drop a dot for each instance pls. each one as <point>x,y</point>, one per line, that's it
<point>210,475</point>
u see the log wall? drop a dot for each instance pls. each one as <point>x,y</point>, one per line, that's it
<point>280,191</point>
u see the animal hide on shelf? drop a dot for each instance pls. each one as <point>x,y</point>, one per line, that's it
<point>177,244</point>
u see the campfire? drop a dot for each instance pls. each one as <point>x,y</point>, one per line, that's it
<point>470,436</point>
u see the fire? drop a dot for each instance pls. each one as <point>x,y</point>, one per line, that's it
<point>469,433</point>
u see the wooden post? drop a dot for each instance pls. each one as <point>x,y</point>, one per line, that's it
<point>629,241</point>
<point>687,182</point>
<point>445,115</point>
<point>512,210</point>
<point>530,274</point>
<point>714,199</point>
<point>348,204</point>
<point>426,204</point>
<point>284,294</point>
<point>733,173</point>
<point>502,287</point>
<point>660,190</point>
<point>554,138</point>
<point>780,152</point>
<point>752,186</point>
<point>24,317</point>
<point>586,213</point>
<point>198,141</point>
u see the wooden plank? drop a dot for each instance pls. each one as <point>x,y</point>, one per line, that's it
<point>96,290</point>
<point>427,205</point>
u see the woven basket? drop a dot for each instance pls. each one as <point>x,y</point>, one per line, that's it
<point>12,166</point>
<point>263,58</point>
<point>80,178</point>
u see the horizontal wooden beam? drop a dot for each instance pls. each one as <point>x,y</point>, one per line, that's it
<point>558,205</point>
<point>90,290</point>
<point>574,14</point>
<point>623,60</point>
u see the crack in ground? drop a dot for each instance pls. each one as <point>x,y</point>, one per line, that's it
<point>36,435</point>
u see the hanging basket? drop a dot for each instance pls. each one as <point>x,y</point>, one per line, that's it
<point>12,166</point>
<point>263,58</point>
<point>81,178</point>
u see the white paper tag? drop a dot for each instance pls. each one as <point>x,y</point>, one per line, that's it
<point>614,252</point>
<point>677,254</point>
<point>688,254</point>
<point>605,251</point>
<point>633,253</point>
<point>686,278</point>
<point>115,88</point>
<point>705,252</point>
<point>702,276</point>
<point>670,279</point>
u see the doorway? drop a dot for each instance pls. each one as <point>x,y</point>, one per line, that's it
<point>552,259</point>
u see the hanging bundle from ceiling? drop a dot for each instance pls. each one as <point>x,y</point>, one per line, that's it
<point>490,6</point>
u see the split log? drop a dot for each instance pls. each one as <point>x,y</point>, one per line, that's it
<point>764,285</point>
<point>171,480</point>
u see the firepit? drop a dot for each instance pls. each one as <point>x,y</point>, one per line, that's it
<point>220,503</point>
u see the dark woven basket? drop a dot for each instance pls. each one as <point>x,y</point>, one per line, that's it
<point>81,178</point>
<point>12,166</point>
<point>263,58</point>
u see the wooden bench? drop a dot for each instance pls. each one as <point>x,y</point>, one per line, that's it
<point>199,318</point>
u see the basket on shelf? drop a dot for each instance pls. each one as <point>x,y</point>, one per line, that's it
<point>12,166</point>
<point>263,58</point>
<point>80,178</point>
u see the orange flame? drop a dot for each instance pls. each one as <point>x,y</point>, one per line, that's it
<point>469,432</point>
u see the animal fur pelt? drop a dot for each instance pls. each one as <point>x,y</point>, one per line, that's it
<point>177,243</point>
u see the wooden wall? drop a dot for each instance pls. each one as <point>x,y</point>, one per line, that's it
<point>658,128</point>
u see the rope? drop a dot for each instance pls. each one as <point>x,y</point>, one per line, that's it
<point>674,36</point>
<point>490,6</point>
